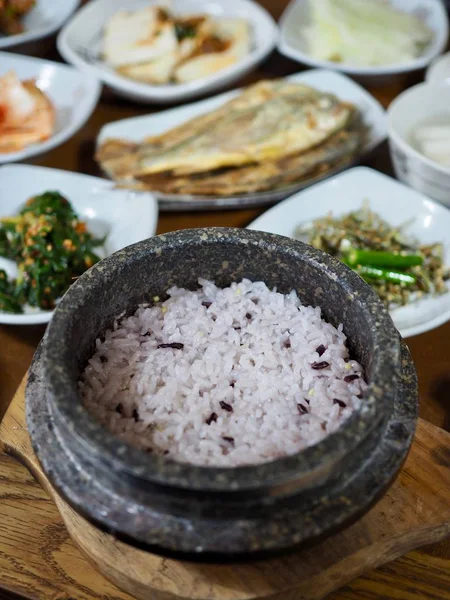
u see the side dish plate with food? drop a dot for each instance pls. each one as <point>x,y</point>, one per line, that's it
<point>24,21</point>
<point>166,52</point>
<point>42,104</point>
<point>364,38</point>
<point>53,226</point>
<point>238,149</point>
<point>394,237</point>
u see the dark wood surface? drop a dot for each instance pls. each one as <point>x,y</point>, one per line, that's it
<point>430,351</point>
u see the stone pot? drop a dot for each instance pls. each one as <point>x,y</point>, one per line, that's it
<point>207,512</point>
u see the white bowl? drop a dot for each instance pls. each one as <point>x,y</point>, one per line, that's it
<point>137,128</point>
<point>73,94</point>
<point>125,217</point>
<point>292,41</point>
<point>439,69</point>
<point>397,204</point>
<point>43,20</point>
<point>79,43</point>
<point>410,109</point>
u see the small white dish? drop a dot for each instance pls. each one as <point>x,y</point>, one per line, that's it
<point>80,40</point>
<point>137,128</point>
<point>44,19</point>
<point>123,216</point>
<point>439,69</point>
<point>74,96</point>
<point>413,107</point>
<point>397,204</point>
<point>292,42</point>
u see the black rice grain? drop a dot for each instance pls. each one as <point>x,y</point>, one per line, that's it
<point>341,403</point>
<point>226,406</point>
<point>320,365</point>
<point>119,408</point>
<point>349,378</point>
<point>206,304</point>
<point>302,409</point>
<point>174,345</point>
<point>135,415</point>
<point>212,418</point>
<point>228,439</point>
<point>320,349</point>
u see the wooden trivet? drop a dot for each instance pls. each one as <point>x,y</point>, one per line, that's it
<point>414,512</point>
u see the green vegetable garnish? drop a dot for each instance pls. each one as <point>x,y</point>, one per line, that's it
<point>51,247</point>
<point>183,31</point>
<point>8,300</point>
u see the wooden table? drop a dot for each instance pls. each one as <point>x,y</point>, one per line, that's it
<point>423,575</point>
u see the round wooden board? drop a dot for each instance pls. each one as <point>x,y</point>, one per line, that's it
<point>414,512</point>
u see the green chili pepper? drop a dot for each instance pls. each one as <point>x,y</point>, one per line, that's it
<point>378,258</point>
<point>385,274</point>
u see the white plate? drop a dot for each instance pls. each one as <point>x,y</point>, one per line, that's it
<point>292,42</point>
<point>45,18</point>
<point>137,128</point>
<point>125,217</point>
<point>73,94</point>
<point>396,204</point>
<point>80,40</point>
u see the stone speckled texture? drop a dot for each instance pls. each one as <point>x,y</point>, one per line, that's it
<point>174,507</point>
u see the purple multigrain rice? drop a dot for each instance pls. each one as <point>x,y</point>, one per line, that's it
<point>226,406</point>
<point>253,370</point>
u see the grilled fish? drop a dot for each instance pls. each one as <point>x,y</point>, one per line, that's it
<point>272,134</point>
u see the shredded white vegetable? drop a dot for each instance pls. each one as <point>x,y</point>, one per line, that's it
<point>364,33</point>
<point>434,142</point>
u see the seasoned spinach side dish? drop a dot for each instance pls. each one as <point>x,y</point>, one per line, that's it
<point>51,247</point>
